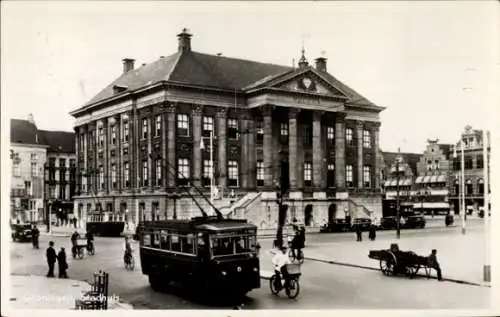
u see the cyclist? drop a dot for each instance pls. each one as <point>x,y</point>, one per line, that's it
<point>279,261</point>
<point>90,240</point>
<point>128,251</point>
<point>74,237</point>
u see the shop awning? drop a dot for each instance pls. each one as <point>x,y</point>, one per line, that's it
<point>394,182</point>
<point>419,180</point>
<point>441,179</point>
<point>434,205</point>
<point>433,179</point>
<point>426,179</point>
<point>407,182</point>
<point>387,183</point>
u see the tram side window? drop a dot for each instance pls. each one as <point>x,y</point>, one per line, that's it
<point>146,239</point>
<point>156,240</point>
<point>187,244</point>
<point>232,245</point>
<point>175,243</point>
<point>164,240</point>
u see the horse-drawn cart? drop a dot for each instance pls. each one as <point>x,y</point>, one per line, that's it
<point>79,248</point>
<point>393,262</point>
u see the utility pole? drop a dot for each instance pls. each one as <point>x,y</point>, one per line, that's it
<point>398,215</point>
<point>486,208</point>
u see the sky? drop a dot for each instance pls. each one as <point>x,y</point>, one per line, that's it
<point>433,65</point>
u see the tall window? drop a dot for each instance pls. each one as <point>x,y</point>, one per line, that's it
<point>34,156</point>
<point>101,177</point>
<point>126,174</point>
<point>125,130</point>
<point>208,125</point>
<point>468,163</point>
<point>348,176</point>
<point>182,124</point>
<point>113,176</point>
<point>183,171</point>
<point>436,164</point>
<point>330,177</point>
<point>260,173</point>
<point>232,170</point>
<point>307,174</point>
<point>101,136</point>
<point>348,136</point>
<point>52,192</point>
<point>34,169</point>
<point>367,139</point>
<point>158,125</point>
<point>479,161</point>
<point>468,187</point>
<point>308,135</point>
<point>330,134</point>
<point>284,129</point>
<point>113,134</point>
<point>145,128</point>
<point>207,172</point>
<point>429,165</point>
<point>28,188</point>
<point>145,173</point>
<point>480,186</point>
<point>232,129</point>
<point>158,172</point>
<point>62,163</point>
<point>62,192</point>
<point>260,131</point>
<point>366,177</point>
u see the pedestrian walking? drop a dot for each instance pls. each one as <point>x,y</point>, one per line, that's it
<point>51,258</point>
<point>63,265</point>
<point>35,233</point>
<point>359,233</point>
<point>373,233</point>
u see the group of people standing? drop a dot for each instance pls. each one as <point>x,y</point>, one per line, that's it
<point>372,232</point>
<point>60,257</point>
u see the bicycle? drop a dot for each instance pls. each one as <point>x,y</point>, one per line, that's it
<point>293,288</point>
<point>129,262</point>
<point>90,248</point>
<point>297,256</point>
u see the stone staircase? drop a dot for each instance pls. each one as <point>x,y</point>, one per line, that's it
<point>358,210</point>
<point>239,209</point>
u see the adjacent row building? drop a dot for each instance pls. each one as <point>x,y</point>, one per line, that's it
<point>139,141</point>
<point>43,172</point>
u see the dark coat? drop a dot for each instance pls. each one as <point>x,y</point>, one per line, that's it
<point>51,255</point>
<point>61,259</point>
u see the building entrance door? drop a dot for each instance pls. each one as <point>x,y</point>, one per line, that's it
<point>285,175</point>
<point>332,213</point>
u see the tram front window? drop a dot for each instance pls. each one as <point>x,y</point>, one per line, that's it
<point>225,245</point>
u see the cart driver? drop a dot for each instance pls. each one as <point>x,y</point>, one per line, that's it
<point>279,262</point>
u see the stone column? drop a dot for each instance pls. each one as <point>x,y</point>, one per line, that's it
<point>244,150</point>
<point>84,166</point>
<point>317,152</point>
<point>359,156</point>
<point>171,146</point>
<point>376,157</point>
<point>267,112</point>
<point>77,159</point>
<point>293,147</point>
<point>222,148</point>
<point>106,160</point>
<point>164,137</point>
<point>118,153</point>
<point>251,164</point>
<point>197,111</point>
<point>340,152</point>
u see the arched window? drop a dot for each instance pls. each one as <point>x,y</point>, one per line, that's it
<point>468,187</point>
<point>456,187</point>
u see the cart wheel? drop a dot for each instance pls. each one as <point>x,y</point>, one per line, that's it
<point>80,253</point>
<point>388,265</point>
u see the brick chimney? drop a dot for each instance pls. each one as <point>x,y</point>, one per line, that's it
<point>184,41</point>
<point>321,64</point>
<point>128,64</point>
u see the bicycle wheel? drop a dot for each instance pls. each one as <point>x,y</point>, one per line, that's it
<point>293,289</point>
<point>272,285</point>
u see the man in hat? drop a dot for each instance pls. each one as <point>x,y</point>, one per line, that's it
<point>51,258</point>
<point>280,260</point>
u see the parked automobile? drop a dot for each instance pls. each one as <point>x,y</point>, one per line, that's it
<point>364,223</point>
<point>413,222</point>
<point>387,223</point>
<point>337,225</point>
<point>21,232</point>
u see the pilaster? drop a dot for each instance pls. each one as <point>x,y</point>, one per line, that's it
<point>197,112</point>
<point>221,147</point>
<point>171,164</point>
<point>317,147</point>
<point>340,152</point>
<point>267,113</point>
<point>376,157</point>
<point>359,153</point>
<point>293,147</point>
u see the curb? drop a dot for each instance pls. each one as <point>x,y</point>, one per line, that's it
<point>55,234</point>
<point>445,279</point>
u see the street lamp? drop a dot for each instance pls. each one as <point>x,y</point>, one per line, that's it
<point>202,147</point>
<point>398,220</point>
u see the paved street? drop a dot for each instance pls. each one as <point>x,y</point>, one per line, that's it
<point>323,285</point>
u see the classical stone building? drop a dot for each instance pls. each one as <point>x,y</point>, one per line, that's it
<point>139,140</point>
<point>474,172</point>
